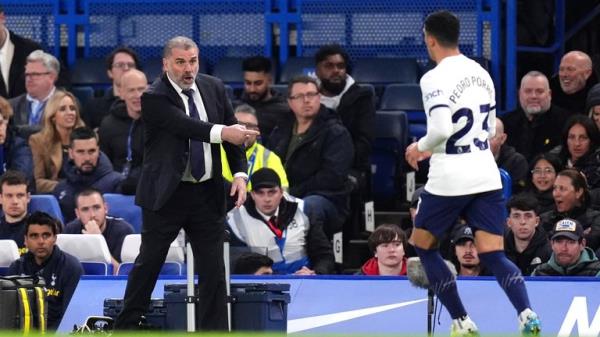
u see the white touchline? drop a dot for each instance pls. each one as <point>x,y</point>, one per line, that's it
<point>306,323</point>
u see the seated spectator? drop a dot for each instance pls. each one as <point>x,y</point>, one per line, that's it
<point>572,200</point>
<point>317,153</point>
<point>525,243</point>
<point>592,105</point>
<point>574,80</point>
<point>570,256</point>
<point>257,155</point>
<point>579,149</point>
<point>50,146</point>
<point>354,104</point>
<point>61,271</point>
<point>387,244</point>
<point>41,74</point>
<point>122,130</point>
<point>15,198</point>
<point>508,159</point>
<point>270,105</point>
<point>118,62</point>
<point>253,264</point>
<point>275,225</point>
<point>465,257</point>
<point>87,167</point>
<point>92,218</point>
<point>15,153</point>
<point>543,170</point>
<point>534,127</point>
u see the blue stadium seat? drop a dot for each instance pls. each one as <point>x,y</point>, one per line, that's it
<point>46,203</point>
<point>90,249</point>
<point>168,268</point>
<point>83,93</point>
<point>385,70</point>
<point>97,268</point>
<point>407,97</point>
<point>297,66</point>
<point>506,184</point>
<point>153,68</point>
<point>90,72</point>
<point>387,157</point>
<point>131,247</point>
<point>123,206</point>
<point>229,70</point>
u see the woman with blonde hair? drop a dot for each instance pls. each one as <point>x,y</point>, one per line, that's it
<point>50,146</point>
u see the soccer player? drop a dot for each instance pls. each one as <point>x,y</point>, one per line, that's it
<point>458,96</point>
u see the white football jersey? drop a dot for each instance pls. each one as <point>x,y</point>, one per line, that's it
<point>459,101</point>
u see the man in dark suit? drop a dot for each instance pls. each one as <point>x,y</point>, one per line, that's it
<point>186,116</point>
<point>13,53</point>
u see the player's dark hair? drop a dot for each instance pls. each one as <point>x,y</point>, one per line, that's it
<point>444,27</point>
<point>259,64</point>
<point>386,233</point>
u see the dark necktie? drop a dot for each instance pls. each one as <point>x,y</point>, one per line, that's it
<point>196,147</point>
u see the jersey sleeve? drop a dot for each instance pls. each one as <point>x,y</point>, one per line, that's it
<point>439,114</point>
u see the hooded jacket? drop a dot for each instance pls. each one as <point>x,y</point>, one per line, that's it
<point>103,178</point>
<point>586,265</point>
<point>536,253</point>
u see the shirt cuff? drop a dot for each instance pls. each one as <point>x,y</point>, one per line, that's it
<point>215,134</point>
<point>241,175</point>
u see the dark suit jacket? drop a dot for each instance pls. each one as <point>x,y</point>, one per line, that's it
<point>20,118</point>
<point>167,132</point>
<point>16,79</point>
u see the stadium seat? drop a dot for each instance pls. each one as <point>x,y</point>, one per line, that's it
<point>9,252</point>
<point>83,93</point>
<point>90,249</point>
<point>123,206</point>
<point>153,68</point>
<point>407,97</point>
<point>131,248</point>
<point>46,203</point>
<point>280,88</point>
<point>385,70</point>
<point>229,70</point>
<point>90,72</point>
<point>297,66</point>
<point>387,157</point>
<point>506,184</point>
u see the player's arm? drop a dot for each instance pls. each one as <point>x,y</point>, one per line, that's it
<point>439,115</point>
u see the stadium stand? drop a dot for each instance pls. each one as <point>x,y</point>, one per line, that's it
<point>91,250</point>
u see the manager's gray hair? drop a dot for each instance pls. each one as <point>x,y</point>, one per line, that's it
<point>180,42</point>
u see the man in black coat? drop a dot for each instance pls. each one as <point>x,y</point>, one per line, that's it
<point>186,116</point>
<point>509,159</point>
<point>354,104</point>
<point>536,126</point>
<point>317,153</point>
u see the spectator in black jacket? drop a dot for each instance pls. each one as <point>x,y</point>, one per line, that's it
<point>122,131</point>
<point>15,197</point>
<point>316,150</point>
<point>592,105</point>
<point>354,104</point>
<point>61,271</point>
<point>118,62</point>
<point>508,158</point>
<point>525,243</point>
<point>270,105</point>
<point>574,80</point>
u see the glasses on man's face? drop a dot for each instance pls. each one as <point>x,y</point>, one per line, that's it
<point>36,75</point>
<point>542,171</point>
<point>123,65</point>
<point>301,97</point>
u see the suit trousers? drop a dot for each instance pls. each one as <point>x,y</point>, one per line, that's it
<point>194,208</point>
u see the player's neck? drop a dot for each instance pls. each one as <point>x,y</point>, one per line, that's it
<point>442,53</point>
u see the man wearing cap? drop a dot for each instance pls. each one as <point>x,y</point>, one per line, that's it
<point>465,254</point>
<point>274,224</point>
<point>570,256</point>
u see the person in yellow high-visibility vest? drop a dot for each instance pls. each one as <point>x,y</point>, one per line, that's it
<point>257,155</point>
